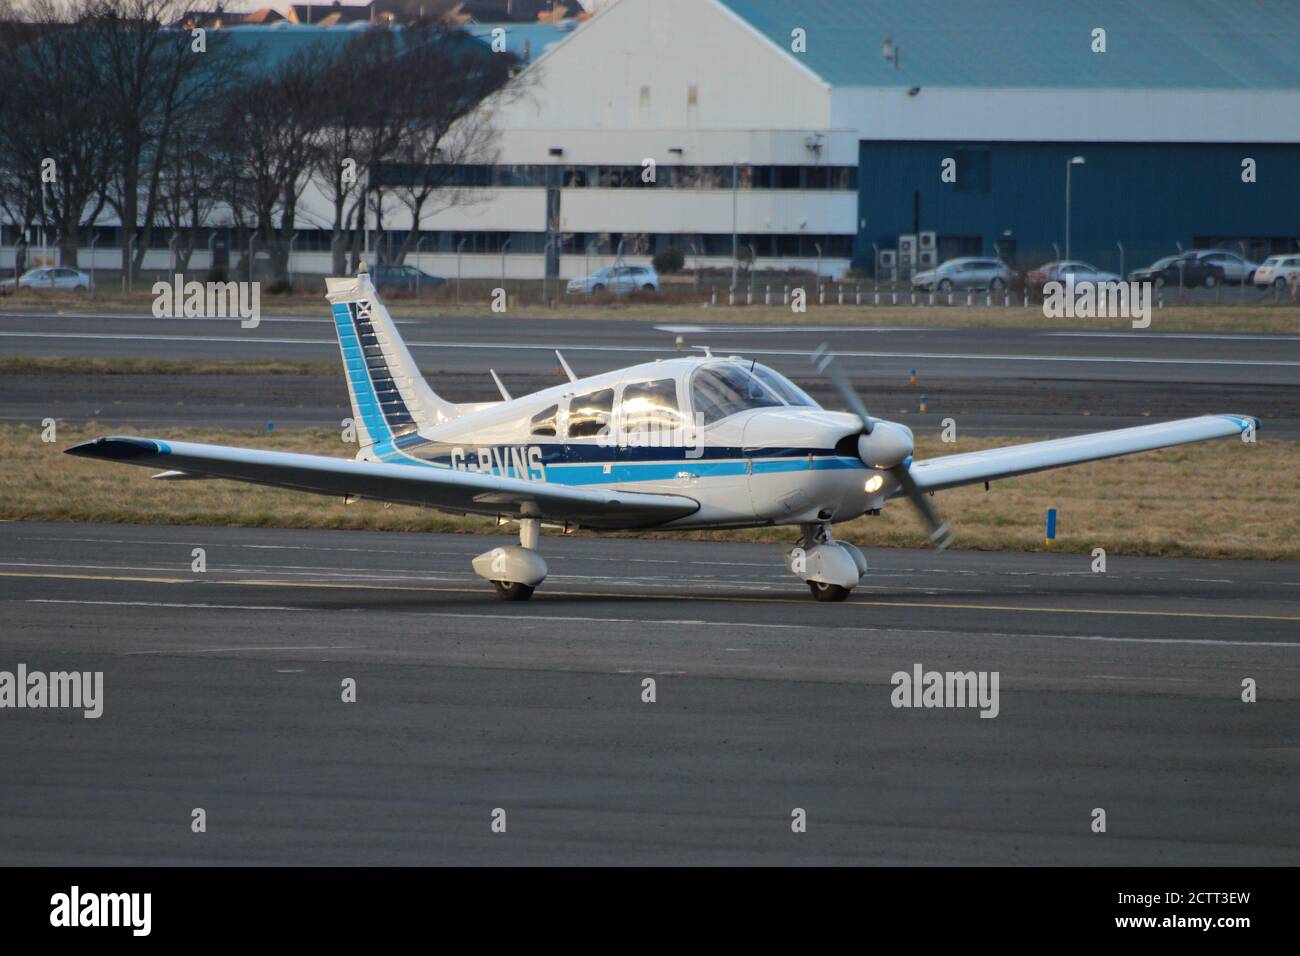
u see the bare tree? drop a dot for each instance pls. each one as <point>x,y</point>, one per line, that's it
<point>149,77</point>
<point>442,80</point>
<point>59,142</point>
<point>269,136</point>
<point>363,127</point>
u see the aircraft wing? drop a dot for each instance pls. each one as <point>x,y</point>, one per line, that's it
<point>936,474</point>
<point>459,492</point>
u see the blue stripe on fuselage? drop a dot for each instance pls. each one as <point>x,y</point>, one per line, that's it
<point>586,464</point>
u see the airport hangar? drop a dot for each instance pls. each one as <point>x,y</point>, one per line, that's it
<point>840,147</point>
<point>838,150</point>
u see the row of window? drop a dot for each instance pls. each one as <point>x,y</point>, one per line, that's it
<point>640,176</point>
<point>443,242</point>
<point>717,392</point>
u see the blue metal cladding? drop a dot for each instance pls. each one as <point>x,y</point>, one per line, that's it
<point>1149,196</point>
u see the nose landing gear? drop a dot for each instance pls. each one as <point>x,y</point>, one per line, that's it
<point>831,568</point>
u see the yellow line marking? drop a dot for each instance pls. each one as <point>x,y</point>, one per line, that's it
<point>931,605</point>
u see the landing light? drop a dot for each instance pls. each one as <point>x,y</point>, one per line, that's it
<point>874,484</point>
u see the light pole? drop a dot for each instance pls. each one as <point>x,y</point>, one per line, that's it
<point>735,243</point>
<point>459,246</point>
<point>94,238</point>
<point>546,253</point>
<point>419,266</point>
<point>753,261</point>
<point>1073,161</point>
<point>591,244</point>
<point>504,246</point>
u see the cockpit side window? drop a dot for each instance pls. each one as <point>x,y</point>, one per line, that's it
<point>589,414</point>
<point>650,406</point>
<point>543,422</point>
<point>719,391</point>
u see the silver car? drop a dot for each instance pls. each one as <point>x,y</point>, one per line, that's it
<point>51,277</point>
<point>1083,273</point>
<point>966,273</point>
<point>617,279</point>
<point>1235,268</point>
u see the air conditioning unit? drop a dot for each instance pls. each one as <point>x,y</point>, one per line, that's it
<point>928,241</point>
<point>906,256</point>
<point>886,265</point>
<point>928,258</point>
<point>907,250</point>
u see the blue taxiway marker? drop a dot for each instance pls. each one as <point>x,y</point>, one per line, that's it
<point>1051,525</point>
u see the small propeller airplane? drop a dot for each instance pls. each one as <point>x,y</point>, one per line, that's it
<point>678,444</point>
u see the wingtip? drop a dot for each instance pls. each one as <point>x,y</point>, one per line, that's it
<point>116,448</point>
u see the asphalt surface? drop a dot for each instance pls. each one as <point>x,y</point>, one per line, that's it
<point>1119,691</point>
<point>991,381</point>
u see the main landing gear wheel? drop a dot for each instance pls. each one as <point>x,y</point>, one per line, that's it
<point>513,591</point>
<point>515,570</point>
<point>827,592</point>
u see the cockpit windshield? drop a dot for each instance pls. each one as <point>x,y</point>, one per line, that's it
<point>788,390</point>
<point>719,391</point>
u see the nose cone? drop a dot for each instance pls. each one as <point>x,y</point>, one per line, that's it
<point>887,445</point>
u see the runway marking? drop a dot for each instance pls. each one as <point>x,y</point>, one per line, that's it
<point>930,605</point>
<point>1225,336</point>
<point>228,650</point>
<point>795,328</point>
<point>220,607</point>
<point>1170,680</point>
<point>652,349</point>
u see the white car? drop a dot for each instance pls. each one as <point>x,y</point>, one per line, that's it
<point>617,279</point>
<point>51,277</point>
<point>1235,268</point>
<point>1278,271</point>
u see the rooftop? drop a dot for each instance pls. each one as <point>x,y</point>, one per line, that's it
<point>1150,44</point>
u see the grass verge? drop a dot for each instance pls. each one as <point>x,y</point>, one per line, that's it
<point>1261,317</point>
<point>40,365</point>
<point>1221,499</point>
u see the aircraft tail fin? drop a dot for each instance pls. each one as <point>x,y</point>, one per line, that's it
<point>390,398</point>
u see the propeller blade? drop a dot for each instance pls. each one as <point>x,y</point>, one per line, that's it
<point>824,361</point>
<point>893,442</point>
<point>941,535</point>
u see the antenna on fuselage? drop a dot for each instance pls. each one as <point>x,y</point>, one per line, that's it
<point>500,386</point>
<point>708,352</point>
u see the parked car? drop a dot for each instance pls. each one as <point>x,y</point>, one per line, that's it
<point>1082,273</point>
<point>617,279</point>
<point>1279,271</point>
<point>51,277</point>
<point>965,273</point>
<point>1171,270</point>
<point>1235,268</point>
<point>388,278</point>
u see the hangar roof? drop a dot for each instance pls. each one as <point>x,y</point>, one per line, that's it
<point>1150,44</point>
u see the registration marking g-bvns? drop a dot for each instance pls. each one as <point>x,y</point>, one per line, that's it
<point>504,461</point>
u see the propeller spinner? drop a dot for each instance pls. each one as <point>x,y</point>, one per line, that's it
<point>885,445</point>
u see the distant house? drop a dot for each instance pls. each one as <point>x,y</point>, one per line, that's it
<point>219,17</point>
<point>330,14</point>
